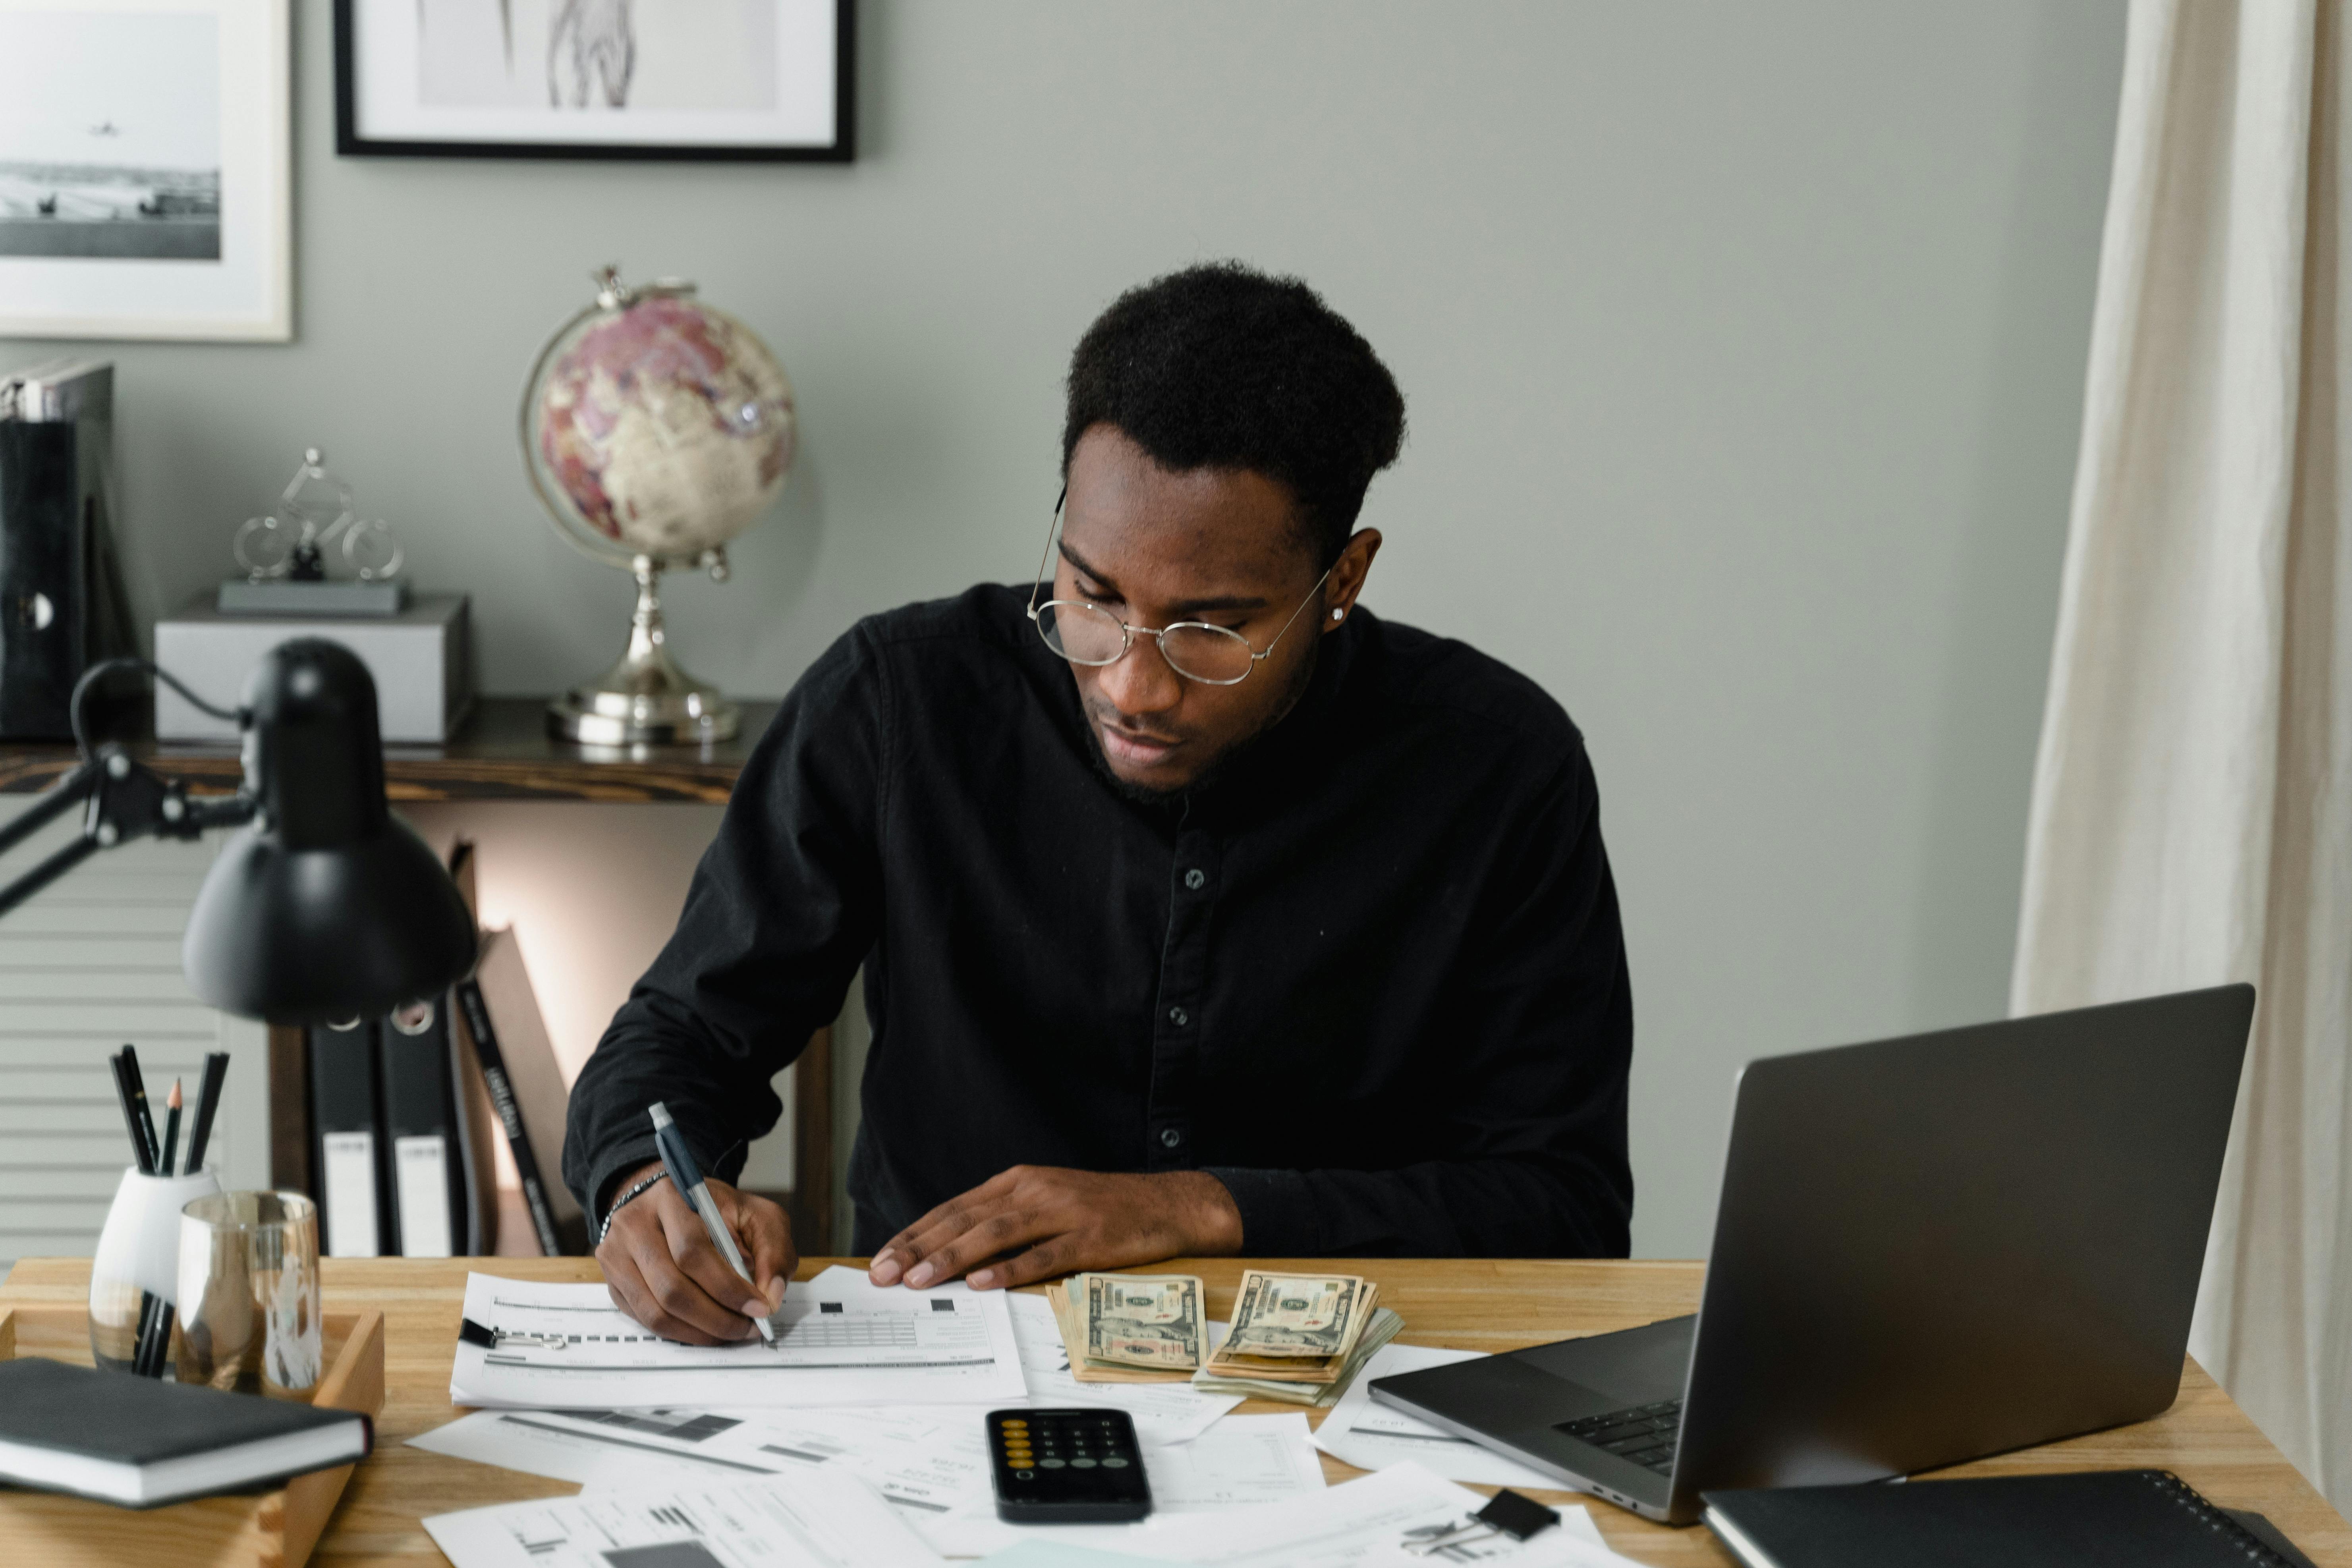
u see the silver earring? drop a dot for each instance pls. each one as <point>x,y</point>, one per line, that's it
<point>1339,614</point>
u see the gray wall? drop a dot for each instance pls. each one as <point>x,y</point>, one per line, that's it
<point>1744,348</point>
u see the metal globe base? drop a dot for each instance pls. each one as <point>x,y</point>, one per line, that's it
<point>646,700</point>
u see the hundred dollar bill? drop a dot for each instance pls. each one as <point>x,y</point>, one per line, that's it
<point>1315,1315</point>
<point>1151,1321</point>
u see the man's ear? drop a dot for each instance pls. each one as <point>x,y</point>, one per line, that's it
<point>1348,575</point>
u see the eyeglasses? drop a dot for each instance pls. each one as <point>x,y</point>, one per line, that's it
<point>1089,635</point>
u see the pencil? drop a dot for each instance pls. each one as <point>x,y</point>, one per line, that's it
<point>171,1129</point>
<point>139,1155</point>
<point>146,1127</point>
<point>208,1093</point>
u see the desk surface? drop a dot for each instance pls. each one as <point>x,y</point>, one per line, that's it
<point>1488,1305</point>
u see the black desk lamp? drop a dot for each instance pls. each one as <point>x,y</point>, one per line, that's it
<point>325,908</point>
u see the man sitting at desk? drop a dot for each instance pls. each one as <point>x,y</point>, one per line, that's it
<point>1201,910</point>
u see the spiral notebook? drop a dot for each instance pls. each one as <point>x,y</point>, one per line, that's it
<point>2108,1519</point>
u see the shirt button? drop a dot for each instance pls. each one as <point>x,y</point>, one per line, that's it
<point>1196,879</point>
<point>1178,1016</point>
<point>1170,1137</point>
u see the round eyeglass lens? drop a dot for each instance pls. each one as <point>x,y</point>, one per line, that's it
<point>1206,653</point>
<point>1081,633</point>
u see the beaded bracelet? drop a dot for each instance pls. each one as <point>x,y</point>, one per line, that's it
<point>607,1227</point>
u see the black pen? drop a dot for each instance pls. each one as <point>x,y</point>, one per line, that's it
<point>139,1155</point>
<point>208,1093</point>
<point>145,1129</point>
<point>147,1305</point>
<point>678,1161</point>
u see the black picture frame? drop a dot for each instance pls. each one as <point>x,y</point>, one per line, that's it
<point>842,149</point>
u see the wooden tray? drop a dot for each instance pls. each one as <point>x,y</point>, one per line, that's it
<point>276,1529</point>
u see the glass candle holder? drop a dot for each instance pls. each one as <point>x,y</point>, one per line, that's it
<point>248,1294</point>
<point>138,1257</point>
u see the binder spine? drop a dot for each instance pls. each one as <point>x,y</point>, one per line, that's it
<point>494,1074</point>
<point>2257,1550</point>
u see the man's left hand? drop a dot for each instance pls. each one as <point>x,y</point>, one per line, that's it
<point>1037,1221</point>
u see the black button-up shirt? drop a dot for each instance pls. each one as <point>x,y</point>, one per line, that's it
<point>1371,976</point>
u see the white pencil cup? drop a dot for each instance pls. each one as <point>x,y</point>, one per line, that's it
<point>138,1252</point>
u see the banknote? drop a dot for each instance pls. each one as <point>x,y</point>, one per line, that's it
<point>1151,1321</point>
<point>1302,1315</point>
<point>1383,1326</point>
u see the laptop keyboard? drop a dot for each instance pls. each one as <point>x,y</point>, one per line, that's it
<point>1644,1435</point>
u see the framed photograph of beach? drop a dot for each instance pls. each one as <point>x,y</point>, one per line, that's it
<point>145,178</point>
<point>692,80</point>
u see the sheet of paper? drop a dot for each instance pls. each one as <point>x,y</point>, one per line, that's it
<point>1163,1411</point>
<point>840,1341</point>
<point>1236,1465</point>
<point>1061,1554</point>
<point>1370,1436</point>
<point>1402,1517</point>
<point>927,1461</point>
<point>775,1523</point>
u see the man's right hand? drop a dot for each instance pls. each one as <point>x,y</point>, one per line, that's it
<point>662,1269</point>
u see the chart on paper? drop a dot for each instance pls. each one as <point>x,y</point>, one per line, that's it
<point>840,1340</point>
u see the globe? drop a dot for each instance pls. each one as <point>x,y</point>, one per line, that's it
<point>656,429</point>
<point>656,425</point>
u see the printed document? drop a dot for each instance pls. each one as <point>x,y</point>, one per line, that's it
<point>926,1461</point>
<point>1402,1517</point>
<point>930,1463</point>
<point>1363,1432</point>
<point>840,1341</point>
<point>774,1524</point>
<point>1237,1465</point>
<point>1163,1412</point>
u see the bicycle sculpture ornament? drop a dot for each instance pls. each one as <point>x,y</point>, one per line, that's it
<point>314,513</point>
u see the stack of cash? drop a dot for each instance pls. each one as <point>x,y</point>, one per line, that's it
<point>1130,1328</point>
<point>1293,1336</point>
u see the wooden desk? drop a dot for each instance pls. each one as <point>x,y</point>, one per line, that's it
<point>1483,1305</point>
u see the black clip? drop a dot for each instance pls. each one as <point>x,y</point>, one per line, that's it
<point>1508,1514</point>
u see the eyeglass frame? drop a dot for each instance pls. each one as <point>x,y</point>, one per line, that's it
<point>1128,633</point>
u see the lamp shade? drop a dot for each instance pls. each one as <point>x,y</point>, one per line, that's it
<point>325,908</point>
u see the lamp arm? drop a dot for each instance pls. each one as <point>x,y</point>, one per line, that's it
<point>127,801</point>
<point>48,871</point>
<point>71,788</point>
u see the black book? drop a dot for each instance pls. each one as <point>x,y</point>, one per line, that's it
<point>424,1149</point>
<point>485,1036</point>
<point>347,1159</point>
<point>2104,1518</point>
<point>141,1442</point>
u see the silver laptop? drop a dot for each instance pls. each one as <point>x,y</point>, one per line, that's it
<point>1926,1250</point>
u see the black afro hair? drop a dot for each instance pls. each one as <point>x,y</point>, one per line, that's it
<point>1222,367</point>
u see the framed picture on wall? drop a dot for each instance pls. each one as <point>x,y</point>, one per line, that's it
<point>698,80</point>
<point>144,170</point>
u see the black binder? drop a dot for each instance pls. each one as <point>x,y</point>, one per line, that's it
<point>2105,1518</point>
<point>347,1159</point>
<point>509,1112</point>
<point>422,1149</point>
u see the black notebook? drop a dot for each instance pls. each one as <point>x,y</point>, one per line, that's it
<point>141,1442</point>
<point>2105,1518</point>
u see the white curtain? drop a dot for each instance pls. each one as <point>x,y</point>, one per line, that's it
<point>2192,801</point>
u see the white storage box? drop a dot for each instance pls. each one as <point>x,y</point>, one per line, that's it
<point>421,659</point>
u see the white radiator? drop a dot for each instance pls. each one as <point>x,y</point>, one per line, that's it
<point>90,964</point>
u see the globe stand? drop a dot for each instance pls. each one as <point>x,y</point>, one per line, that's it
<point>644,699</point>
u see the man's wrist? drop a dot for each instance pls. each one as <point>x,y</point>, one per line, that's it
<point>1212,1221</point>
<point>617,1191</point>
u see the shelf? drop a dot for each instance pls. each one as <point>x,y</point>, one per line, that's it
<point>503,751</point>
